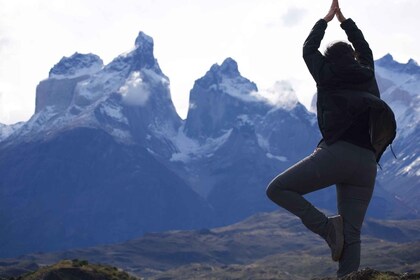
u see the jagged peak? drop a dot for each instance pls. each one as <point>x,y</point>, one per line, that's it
<point>140,57</point>
<point>388,62</point>
<point>387,57</point>
<point>144,41</point>
<point>412,62</point>
<point>229,65</point>
<point>77,64</point>
<point>229,68</point>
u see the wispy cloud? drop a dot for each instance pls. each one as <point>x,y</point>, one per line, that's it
<point>281,95</point>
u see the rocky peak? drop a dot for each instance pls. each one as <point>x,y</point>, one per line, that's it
<point>388,62</point>
<point>412,62</point>
<point>228,68</point>
<point>143,56</point>
<point>144,41</point>
<point>219,98</point>
<point>76,65</point>
<point>388,58</point>
<point>226,79</point>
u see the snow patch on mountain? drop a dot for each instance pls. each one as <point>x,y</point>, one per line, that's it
<point>263,142</point>
<point>7,130</point>
<point>245,120</point>
<point>188,149</point>
<point>115,112</point>
<point>101,84</point>
<point>407,120</point>
<point>279,158</point>
<point>413,169</point>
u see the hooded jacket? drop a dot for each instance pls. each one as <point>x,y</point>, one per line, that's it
<point>347,89</point>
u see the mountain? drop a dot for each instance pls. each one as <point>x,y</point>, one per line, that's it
<point>105,158</point>
<point>83,170</point>
<point>273,245</point>
<point>241,139</point>
<point>399,84</point>
<point>129,99</point>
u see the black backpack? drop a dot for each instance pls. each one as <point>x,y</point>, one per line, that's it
<point>382,125</point>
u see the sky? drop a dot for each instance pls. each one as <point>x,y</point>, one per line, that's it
<point>265,37</point>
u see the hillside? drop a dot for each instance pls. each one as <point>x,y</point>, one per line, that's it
<point>265,245</point>
<point>77,270</point>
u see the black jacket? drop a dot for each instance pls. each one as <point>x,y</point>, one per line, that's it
<point>347,89</point>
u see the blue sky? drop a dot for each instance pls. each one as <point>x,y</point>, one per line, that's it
<point>265,38</point>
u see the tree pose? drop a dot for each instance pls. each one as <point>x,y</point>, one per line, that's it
<point>348,108</point>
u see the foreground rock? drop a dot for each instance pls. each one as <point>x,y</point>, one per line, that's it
<point>77,270</point>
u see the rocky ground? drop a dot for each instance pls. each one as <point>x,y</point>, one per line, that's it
<point>371,274</point>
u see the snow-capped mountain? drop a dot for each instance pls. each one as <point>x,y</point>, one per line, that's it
<point>400,87</point>
<point>128,98</point>
<point>236,138</point>
<point>86,168</point>
<point>106,158</point>
<point>219,98</point>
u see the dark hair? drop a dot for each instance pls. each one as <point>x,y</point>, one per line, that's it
<point>340,50</point>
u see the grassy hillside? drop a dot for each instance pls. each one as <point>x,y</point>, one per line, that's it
<point>77,270</point>
<point>265,246</point>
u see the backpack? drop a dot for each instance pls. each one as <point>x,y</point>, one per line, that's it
<point>382,126</point>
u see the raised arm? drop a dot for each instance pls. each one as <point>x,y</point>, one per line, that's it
<point>355,36</point>
<point>313,58</point>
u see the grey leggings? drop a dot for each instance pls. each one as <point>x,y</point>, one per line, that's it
<point>353,170</point>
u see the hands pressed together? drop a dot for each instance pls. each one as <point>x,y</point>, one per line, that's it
<point>334,11</point>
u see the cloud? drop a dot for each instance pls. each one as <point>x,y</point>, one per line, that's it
<point>134,91</point>
<point>281,95</point>
<point>293,16</point>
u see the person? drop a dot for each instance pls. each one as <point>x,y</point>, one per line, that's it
<point>348,109</point>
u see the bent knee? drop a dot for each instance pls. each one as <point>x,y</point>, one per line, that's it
<point>273,189</point>
<point>269,191</point>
